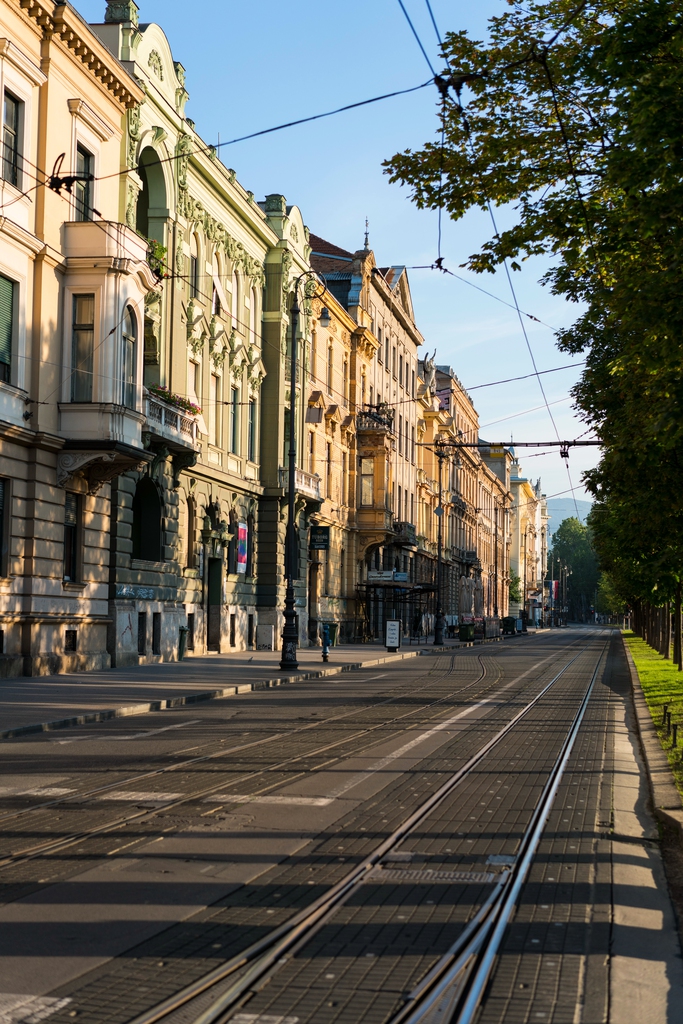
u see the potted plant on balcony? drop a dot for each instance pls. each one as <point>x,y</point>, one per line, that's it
<point>177,401</point>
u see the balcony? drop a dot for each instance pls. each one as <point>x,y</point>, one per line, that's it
<point>305,483</point>
<point>177,427</point>
<point>374,421</point>
<point>405,535</point>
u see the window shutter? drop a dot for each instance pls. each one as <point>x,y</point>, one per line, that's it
<point>6,314</point>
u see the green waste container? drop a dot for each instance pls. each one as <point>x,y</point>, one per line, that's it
<point>333,632</point>
<point>466,632</point>
<point>509,625</point>
<point>182,642</point>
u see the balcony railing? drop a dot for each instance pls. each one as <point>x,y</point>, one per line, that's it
<point>304,483</point>
<point>373,420</point>
<point>170,422</point>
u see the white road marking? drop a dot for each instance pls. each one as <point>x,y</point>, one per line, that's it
<point>15,1009</point>
<point>143,798</point>
<point>299,801</point>
<point>128,736</point>
<point>261,1018</point>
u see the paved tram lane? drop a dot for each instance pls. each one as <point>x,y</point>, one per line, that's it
<point>142,860</point>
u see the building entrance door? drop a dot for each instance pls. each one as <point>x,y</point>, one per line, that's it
<point>213,639</point>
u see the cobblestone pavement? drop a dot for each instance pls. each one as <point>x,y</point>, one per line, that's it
<point>136,856</point>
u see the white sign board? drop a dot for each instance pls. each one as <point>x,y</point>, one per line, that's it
<point>393,634</point>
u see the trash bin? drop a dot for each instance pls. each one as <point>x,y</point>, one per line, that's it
<point>466,632</point>
<point>509,625</point>
<point>333,629</point>
<point>182,642</point>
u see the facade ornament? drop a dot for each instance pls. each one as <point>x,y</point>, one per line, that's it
<point>132,206</point>
<point>152,328</point>
<point>181,461</point>
<point>429,370</point>
<point>154,62</point>
<point>180,258</point>
<point>97,468</point>
<point>276,204</point>
<point>216,232</point>
<point>122,11</point>
<point>158,135</point>
<point>134,134</point>
<point>293,233</point>
<point>159,459</point>
<point>286,266</point>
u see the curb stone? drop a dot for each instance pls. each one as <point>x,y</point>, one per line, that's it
<point>666,800</point>
<point>145,708</point>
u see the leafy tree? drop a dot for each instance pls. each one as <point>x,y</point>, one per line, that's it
<point>515,588</point>
<point>570,117</point>
<point>572,548</point>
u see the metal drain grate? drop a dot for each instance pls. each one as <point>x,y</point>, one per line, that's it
<point>448,877</point>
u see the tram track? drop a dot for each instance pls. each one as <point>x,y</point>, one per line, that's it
<point>120,821</point>
<point>257,963</point>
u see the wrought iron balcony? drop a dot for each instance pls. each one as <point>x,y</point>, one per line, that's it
<point>304,483</point>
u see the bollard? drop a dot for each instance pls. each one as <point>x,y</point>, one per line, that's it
<point>668,723</point>
<point>674,742</point>
<point>326,643</point>
<point>665,706</point>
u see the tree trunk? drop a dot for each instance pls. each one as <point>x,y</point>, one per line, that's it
<point>667,631</point>
<point>677,628</point>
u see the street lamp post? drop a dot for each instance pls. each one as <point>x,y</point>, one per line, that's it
<point>290,636</point>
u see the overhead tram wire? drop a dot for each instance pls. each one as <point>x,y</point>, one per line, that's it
<point>417,38</point>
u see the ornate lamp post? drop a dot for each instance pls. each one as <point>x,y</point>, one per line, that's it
<point>290,637</point>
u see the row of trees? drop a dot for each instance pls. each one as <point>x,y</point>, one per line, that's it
<point>570,116</point>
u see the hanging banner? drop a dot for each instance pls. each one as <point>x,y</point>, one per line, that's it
<point>242,541</point>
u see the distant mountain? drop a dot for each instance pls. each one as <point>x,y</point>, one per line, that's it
<point>564,508</point>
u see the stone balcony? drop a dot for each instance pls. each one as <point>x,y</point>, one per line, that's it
<point>405,535</point>
<point>374,422</point>
<point>174,426</point>
<point>307,484</point>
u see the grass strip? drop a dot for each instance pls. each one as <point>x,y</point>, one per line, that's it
<point>662,684</point>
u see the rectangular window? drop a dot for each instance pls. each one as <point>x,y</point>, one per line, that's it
<point>412,445</point>
<point>233,637</point>
<point>234,420</point>
<point>142,632</point>
<point>413,384</point>
<point>400,370</point>
<point>344,484</point>
<point>328,486</point>
<point>82,347</point>
<point>311,452</point>
<point>193,278</point>
<point>83,185</point>
<point>10,139</point>
<point>71,517</point>
<point>393,361</point>
<point>399,504</point>
<point>156,633</point>
<point>386,350</point>
<point>129,354</point>
<point>6,327</point>
<point>252,431</point>
<point>367,481</point>
<point>330,368</point>
<point>215,410</point>
<point>379,350</point>
<point>70,641</point>
<point>400,435</point>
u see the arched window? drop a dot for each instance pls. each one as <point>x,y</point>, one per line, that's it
<point>233,297</point>
<point>191,521</point>
<point>193,280</point>
<point>147,521</point>
<point>215,297</point>
<point>130,344</point>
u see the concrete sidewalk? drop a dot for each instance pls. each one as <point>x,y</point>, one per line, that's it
<point>33,704</point>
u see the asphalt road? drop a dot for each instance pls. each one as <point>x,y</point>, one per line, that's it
<point>139,856</point>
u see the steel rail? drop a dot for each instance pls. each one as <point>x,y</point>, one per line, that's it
<point>271,948</point>
<point>54,845</point>
<point>462,973</point>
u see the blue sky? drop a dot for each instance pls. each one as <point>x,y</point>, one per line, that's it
<point>251,66</point>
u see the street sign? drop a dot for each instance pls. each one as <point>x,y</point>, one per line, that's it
<point>320,538</point>
<point>438,512</point>
<point>496,451</point>
<point>393,634</point>
<point>380,575</point>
